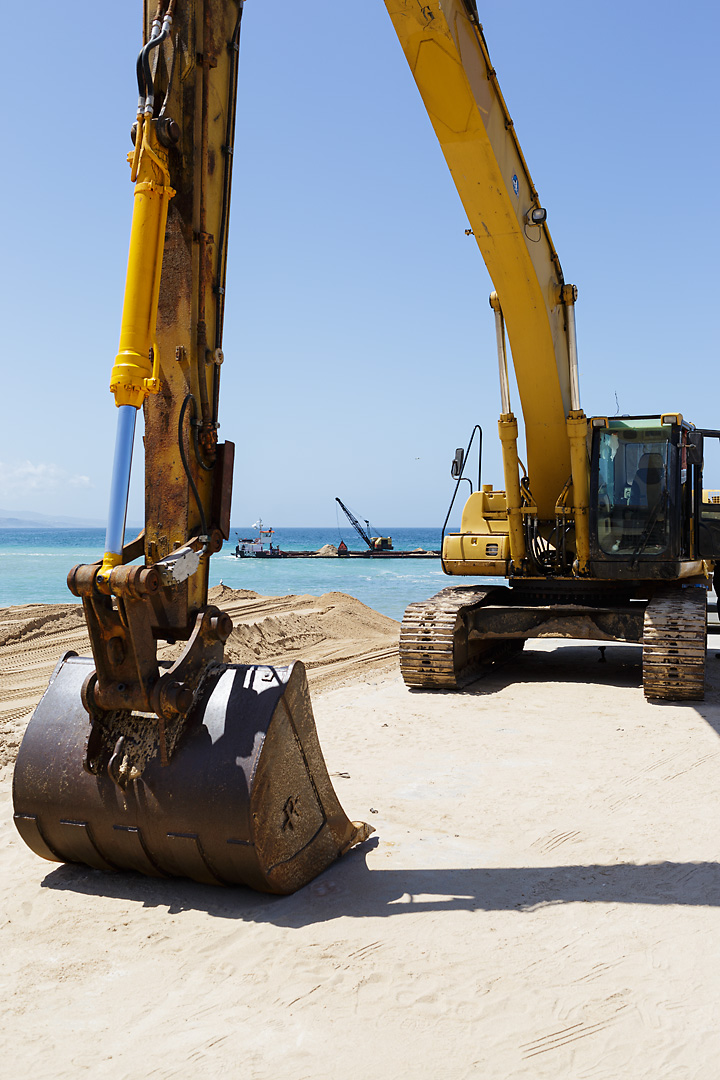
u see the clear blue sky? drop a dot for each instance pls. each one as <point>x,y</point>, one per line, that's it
<point>359,342</point>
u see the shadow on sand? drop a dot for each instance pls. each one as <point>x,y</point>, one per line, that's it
<point>598,665</point>
<point>612,665</point>
<point>351,888</point>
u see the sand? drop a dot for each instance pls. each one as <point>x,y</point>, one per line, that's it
<point>540,899</point>
<point>327,551</point>
<point>335,635</point>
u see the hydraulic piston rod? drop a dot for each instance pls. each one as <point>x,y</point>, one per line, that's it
<point>135,372</point>
<point>502,354</point>
<point>577,426</point>
<point>120,483</point>
<point>508,431</point>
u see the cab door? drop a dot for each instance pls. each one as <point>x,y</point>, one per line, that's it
<point>703,450</point>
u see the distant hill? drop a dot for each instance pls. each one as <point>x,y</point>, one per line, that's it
<point>28,519</point>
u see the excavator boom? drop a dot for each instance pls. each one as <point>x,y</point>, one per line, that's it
<point>444,45</point>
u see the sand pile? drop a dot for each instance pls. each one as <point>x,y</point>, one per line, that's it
<point>334,634</point>
<point>33,637</point>
<point>327,551</point>
<point>223,592</point>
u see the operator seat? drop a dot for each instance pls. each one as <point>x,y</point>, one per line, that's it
<point>647,486</point>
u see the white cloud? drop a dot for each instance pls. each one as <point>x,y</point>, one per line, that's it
<point>27,477</point>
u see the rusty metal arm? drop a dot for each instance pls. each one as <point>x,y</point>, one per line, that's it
<point>188,475</point>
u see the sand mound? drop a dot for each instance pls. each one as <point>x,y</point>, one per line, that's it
<point>336,636</point>
<point>222,592</point>
<point>275,636</point>
<point>32,621</point>
<point>33,637</point>
<point>327,551</point>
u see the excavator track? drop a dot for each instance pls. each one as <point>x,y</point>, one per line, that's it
<point>434,649</point>
<point>674,643</point>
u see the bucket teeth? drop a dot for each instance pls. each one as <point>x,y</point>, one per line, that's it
<point>246,799</point>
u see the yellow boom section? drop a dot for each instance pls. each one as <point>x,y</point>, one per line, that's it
<point>446,51</point>
<point>134,375</point>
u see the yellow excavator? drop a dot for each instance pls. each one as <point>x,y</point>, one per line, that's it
<point>213,771</point>
<point>195,768</point>
<point>605,532</point>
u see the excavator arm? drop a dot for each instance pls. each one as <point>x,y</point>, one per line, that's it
<point>168,363</point>
<point>444,45</point>
<point>194,767</point>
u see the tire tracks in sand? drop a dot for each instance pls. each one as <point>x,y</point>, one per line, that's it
<point>337,637</point>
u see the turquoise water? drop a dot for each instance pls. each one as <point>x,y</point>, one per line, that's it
<point>34,564</point>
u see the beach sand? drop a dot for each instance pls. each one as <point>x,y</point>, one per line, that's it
<point>540,899</point>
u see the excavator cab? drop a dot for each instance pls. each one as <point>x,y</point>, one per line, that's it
<point>649,510</point>
<point>638,496</point>
<point>706,501</point>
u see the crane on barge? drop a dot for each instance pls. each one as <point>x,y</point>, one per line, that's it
<point>375,543</point>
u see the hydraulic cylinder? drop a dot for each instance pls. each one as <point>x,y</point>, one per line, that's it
<point>132,375</point>
<point>120,483</point>
<point>135,371</point>
<point>577,426</point>
<point>508,431</point>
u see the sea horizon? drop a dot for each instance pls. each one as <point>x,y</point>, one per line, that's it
<point>32,526</point>
<point>34,563</point>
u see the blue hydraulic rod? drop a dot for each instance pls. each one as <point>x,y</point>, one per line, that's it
<point>120,483</point>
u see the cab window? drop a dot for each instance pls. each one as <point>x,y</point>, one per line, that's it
<point>633,492</point>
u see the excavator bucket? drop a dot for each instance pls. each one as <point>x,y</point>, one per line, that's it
<point>245,799</point>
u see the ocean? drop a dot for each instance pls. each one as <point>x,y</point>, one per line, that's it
<point>34,564</point>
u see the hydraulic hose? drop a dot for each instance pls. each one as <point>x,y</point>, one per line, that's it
<point>140,69</point>
<point>190,400</point>
<point>146,85</point>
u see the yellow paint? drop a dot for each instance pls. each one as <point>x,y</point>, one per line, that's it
<point>134,374</point>
<point>482,547</point>
<point>485,511</point>
<point>508,432</point>
<point>110,560</point>
<point>451,66</point>
<point>577,428</point>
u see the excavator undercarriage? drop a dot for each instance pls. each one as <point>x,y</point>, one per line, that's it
<point>457,635</point>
